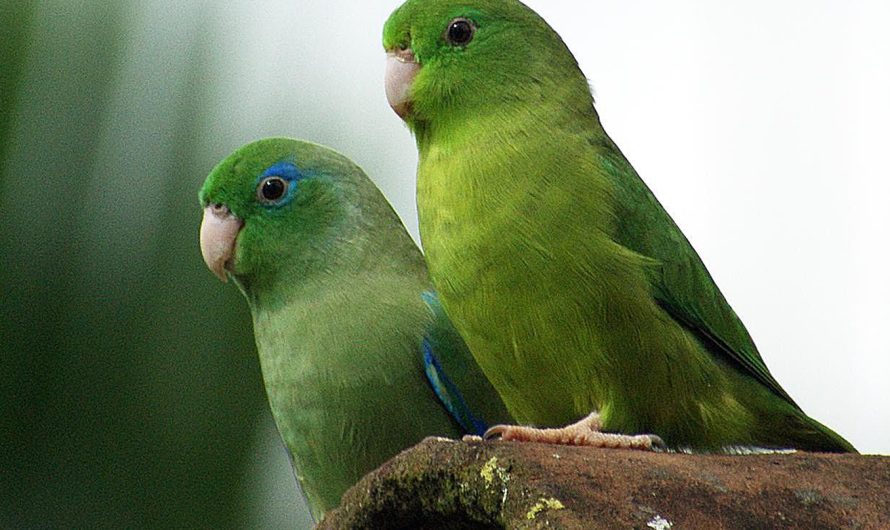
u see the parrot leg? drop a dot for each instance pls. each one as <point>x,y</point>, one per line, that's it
<point>585,432</point>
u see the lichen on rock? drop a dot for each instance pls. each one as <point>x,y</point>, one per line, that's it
<point>521,486</point>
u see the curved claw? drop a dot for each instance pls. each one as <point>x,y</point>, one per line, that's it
<point>495,432</point>
<point>656,443</point>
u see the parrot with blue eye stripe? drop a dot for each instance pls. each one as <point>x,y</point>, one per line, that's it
<point>358,358</point>
<point>578,295</point>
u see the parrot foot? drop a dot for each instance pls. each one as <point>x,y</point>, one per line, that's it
<point>585,432</point>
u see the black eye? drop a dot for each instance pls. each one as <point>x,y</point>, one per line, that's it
<point>271,189</point>
<point>460,32</point>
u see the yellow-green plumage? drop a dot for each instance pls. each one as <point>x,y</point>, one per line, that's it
<point>570,283</point>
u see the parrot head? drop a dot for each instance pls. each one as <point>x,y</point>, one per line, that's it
<point>450,59</point>
<point>278,207</point>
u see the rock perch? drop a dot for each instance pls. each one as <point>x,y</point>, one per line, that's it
<point>444,484</point>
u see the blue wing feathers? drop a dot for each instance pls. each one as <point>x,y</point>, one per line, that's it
<point>449,394</point>
<point>461,386</point>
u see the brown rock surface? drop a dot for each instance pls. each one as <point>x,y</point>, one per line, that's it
<point>501,485</point>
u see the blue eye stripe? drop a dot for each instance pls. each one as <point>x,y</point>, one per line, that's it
<point>289,173</point>
<point>285,170</point>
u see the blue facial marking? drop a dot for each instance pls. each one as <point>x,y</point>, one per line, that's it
<point>288,172</point>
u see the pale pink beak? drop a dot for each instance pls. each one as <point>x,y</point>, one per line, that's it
<point>219,229</point>
<point>400,71</point>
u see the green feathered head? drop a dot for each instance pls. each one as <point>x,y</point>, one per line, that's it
<point>283,210</point>
<point>452,59</point>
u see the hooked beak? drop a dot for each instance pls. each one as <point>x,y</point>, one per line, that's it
<point>400,71</point>
<point>219,229</point>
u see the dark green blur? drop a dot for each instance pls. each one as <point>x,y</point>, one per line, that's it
<point>130,391</point>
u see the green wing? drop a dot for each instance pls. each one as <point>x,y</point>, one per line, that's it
<point>681,283</point>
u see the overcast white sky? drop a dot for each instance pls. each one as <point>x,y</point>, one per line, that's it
<point>762,126</point>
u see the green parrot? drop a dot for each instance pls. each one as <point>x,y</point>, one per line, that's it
<point>358,358</point>
<point>574,289</point>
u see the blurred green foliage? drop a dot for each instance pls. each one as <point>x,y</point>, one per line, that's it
<point>17,17</point>
<point>129,385</point>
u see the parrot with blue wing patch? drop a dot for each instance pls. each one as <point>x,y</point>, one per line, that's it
<point>358,358</point>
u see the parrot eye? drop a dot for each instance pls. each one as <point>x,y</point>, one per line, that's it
<point>460,32</point>
<point>271,189</point>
